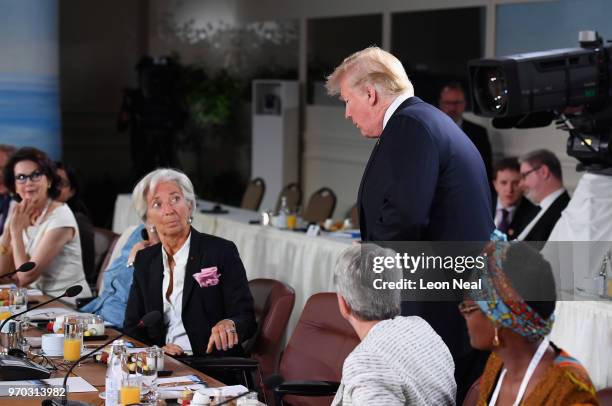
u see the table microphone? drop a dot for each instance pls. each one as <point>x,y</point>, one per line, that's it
<point>25,267</point>
<point>270,382</point>
<point>147,320</point>
<point>70,292</point>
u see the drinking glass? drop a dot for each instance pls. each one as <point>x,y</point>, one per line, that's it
<point>73,339</point>
<point>147,366</point>
<point>18,300</point>
<point>130,389</point>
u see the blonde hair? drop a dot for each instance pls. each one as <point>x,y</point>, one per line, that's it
<point>371,66</point>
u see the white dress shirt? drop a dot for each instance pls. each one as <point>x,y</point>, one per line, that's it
<point>176,333</point>
<point>544,205</point>
<point>498,213</point>
<point>393,106</point>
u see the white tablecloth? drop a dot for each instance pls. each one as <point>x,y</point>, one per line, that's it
<point>584,329</point>
<point>305,263</point>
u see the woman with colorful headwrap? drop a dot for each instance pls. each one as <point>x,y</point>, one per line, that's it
<point>512,317</point>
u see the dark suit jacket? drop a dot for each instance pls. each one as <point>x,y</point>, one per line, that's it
<point>202,307</point>
<point>524,213</point>
<point>425,181</point>
<point>542,229</point>
<point>480,138</point>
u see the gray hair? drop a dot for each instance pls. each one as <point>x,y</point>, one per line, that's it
<point>541,157</point>
<point>354,278</point>
<point>150,182</point>
<point>371,66</point>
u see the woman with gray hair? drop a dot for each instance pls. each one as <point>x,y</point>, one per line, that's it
<point>197,281</point>
<point>400,360</point>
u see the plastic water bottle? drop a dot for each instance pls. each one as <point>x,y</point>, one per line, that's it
<point>114,374</point>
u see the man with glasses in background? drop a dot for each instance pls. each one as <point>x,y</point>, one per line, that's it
<point>542,184</point>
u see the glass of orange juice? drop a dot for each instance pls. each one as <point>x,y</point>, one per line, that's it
<point>129,393</point>
<point>5,312</point>
<point>73,339</point>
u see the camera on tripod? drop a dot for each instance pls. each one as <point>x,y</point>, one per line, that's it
<point>571,86</point>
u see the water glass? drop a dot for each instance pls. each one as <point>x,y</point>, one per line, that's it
<point>147,365</point>
<point>18,299</point>
<point>73,339</point>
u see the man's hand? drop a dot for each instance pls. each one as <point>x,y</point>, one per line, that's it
<point>172,349</point>
<point>222,336</point>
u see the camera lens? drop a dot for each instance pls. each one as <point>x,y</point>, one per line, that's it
<point>491,91</point>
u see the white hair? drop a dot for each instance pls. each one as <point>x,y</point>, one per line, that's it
<point>354,278</point>
<point>150,182</point>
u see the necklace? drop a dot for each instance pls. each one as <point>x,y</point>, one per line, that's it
<point>535,360</point>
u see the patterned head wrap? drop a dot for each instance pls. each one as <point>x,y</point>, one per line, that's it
<point>500,301</point>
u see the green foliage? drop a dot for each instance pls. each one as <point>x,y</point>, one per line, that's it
<point>211,101</point>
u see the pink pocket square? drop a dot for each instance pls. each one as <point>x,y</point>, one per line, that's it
<point>207,277</point>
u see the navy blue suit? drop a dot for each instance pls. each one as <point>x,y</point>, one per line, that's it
<point>426,181</point>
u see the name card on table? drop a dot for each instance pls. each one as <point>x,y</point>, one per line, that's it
<point>313,230</point>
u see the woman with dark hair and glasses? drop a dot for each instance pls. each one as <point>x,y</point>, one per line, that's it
<point>512,316</point>
<point>39,228</point>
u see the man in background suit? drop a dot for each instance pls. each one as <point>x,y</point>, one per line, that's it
<point>513,211</point>
<point>452,102</point>
<point>542,183</point>
<point>424,181</point>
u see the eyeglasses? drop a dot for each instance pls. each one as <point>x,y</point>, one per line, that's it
<point>465,309</point>
<point>525,174</point>
<point>35,176</point>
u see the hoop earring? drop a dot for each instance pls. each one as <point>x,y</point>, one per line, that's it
<point>496,342</point>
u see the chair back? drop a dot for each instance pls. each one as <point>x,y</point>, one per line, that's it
<point>253,195</point>
<point>605,397</point>
<point>274,303</point>
<point>354,216</point>
<point>320,206</point>
<point>104,241</point>
<point>293,193</point>
<point>318,347</point>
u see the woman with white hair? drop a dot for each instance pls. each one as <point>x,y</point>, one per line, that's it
<point>400,360</point>
<point>197,281</point>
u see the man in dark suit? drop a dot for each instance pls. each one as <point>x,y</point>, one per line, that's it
<point>452,102</point>
<point>424,181</point>
<point>512,211</point>
<point>202,307</point>
<point>542,182</point>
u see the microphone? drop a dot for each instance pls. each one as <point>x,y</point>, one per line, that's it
<point>25,267</point>
<point>270,382</point>
<point>147,320</point>
<point>70,292</point>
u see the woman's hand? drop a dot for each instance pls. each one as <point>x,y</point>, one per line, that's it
<point>20,219</point>
<point>137,247</point>
<point>172,349</point>
<point>222,336</point>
